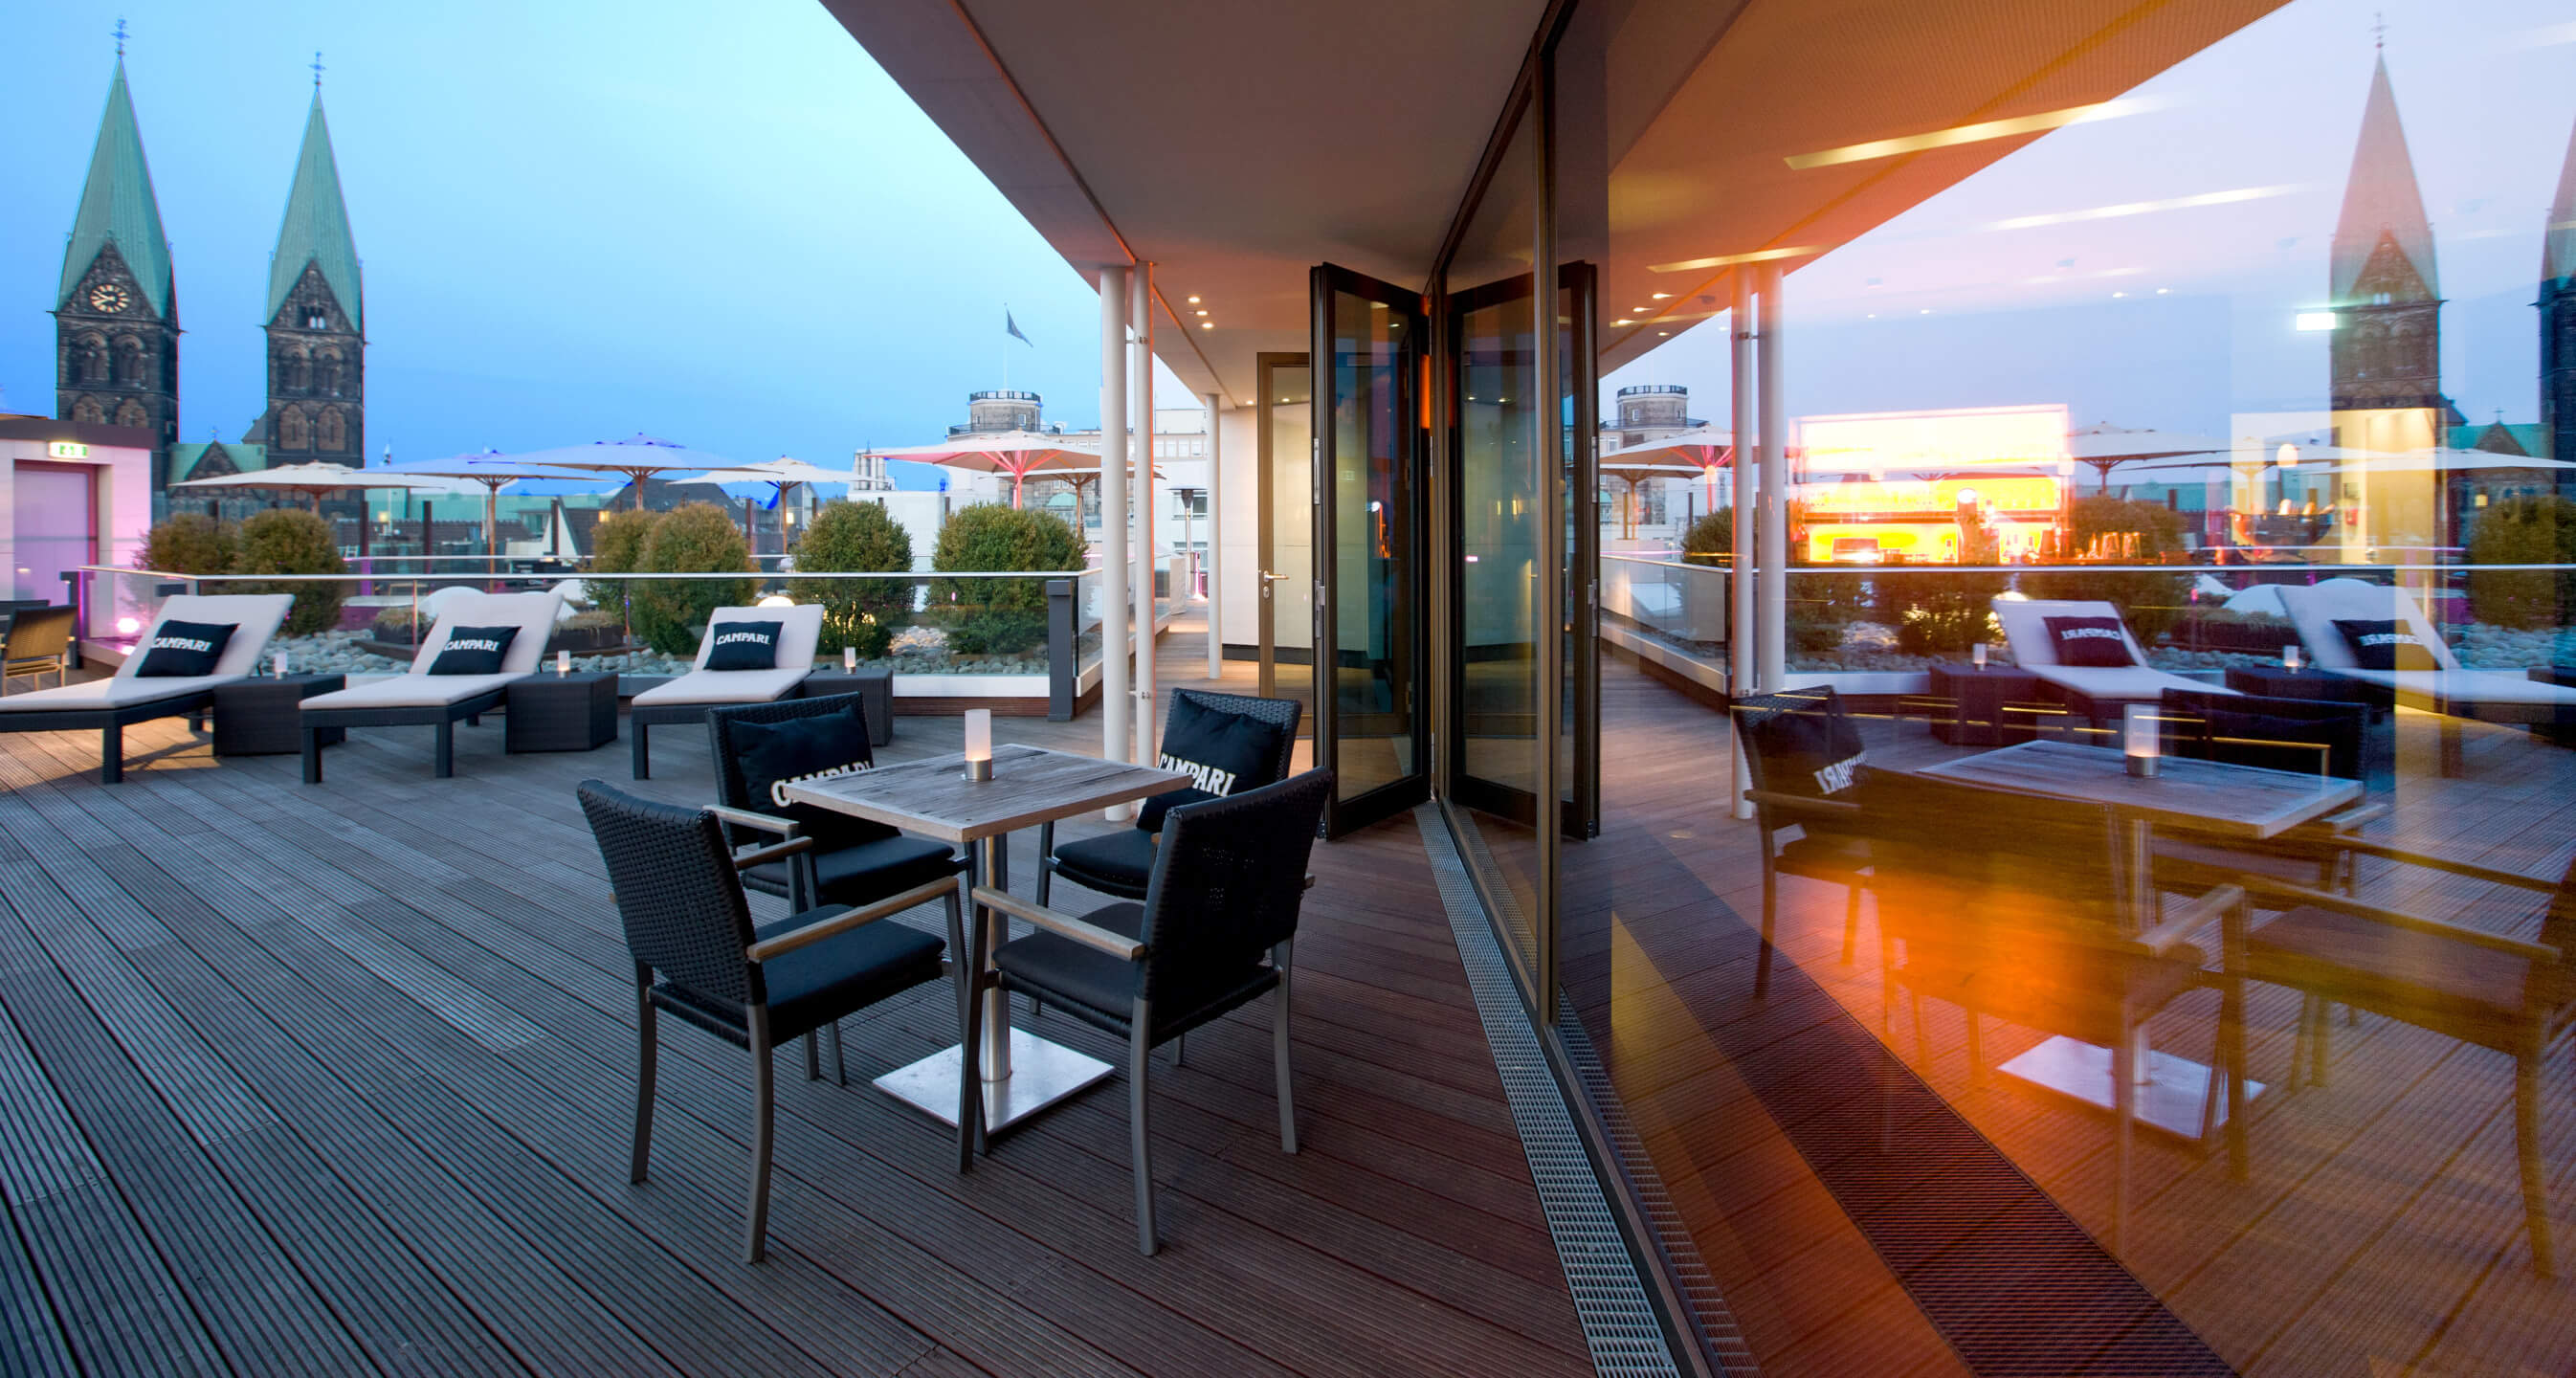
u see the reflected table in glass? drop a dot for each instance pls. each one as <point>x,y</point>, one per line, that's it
<point>1022,1073</point>
<point>2214,800</point>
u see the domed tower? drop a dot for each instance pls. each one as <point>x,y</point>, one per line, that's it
<point>116,312</point>
<point>1003,409</point>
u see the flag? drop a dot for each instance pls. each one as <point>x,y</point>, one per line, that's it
<point>1012,328</point>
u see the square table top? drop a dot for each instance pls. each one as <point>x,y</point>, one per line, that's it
<point>1030,785</point>
<point>2213,797</point>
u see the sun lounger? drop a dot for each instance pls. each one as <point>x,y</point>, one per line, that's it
<point>687,698</point>
<point>2497,696</point>
<point>2093,692</point>
<point>113,704</point>
<point>420,698</point>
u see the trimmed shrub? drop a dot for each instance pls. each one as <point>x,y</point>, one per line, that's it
<point>1711,539</point>
<point>1943,611</point>
<point>2537,529</point>
<point>191,543</point>
<point>694,538</point>
<point>2128,533</point>
<point>290,540</point>
<point>999,616</point>
<point>616,543</point>
<point>863,614</point>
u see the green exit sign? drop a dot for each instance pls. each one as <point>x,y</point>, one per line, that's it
<point>66,449</point>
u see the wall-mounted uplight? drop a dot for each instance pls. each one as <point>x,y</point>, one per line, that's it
<point>2318,320</point>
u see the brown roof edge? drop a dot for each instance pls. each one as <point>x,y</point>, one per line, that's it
<point>44,428</point>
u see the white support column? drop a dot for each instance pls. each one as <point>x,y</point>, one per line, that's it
<point>1141,290</point>
<point>1215,593</point>
<point>1740,492</point>
<point>1774,619</point>
<point>1113,515</point>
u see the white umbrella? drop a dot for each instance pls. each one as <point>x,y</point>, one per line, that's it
<point>637,457</point>
<point>1017,453</point>
<point>1633,468</point>
<point>491,469</point>
<point>313,480</point>
<point>782,474</point>
<point>2106,447</point>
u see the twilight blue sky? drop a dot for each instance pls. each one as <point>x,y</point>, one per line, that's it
<point>716,223</point>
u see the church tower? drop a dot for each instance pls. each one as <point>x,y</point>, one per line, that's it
<point>316,341</point>
<point>116,313</point>
<point>2558,317</point>
<point>2385,291</point>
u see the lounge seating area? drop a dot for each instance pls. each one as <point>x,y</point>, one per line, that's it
<point>482,644</point>
<point>201,641</point>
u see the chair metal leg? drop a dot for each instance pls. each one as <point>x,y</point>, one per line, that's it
<point>1770,915</point>
<point>1046,862</point>
<point>648,1044</point>
<point>840,1067</point>
<point>970,1099</point>
<point>2526,1144</point>
<point>1280,957</point>
<point>445,749</point>
<point>2317,1044</point>
<point>763,1094</point>
<point>1181,1050</point>
<point>1140,1055</point>
<point>642,749</point>
<point>814,1056</point>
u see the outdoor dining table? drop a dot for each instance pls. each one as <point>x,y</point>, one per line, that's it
<point>1022,1073</point>
<point>2212,800</point>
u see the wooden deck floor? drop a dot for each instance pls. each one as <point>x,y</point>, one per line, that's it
<point>2381,1232</point>
<point>336,1080</point>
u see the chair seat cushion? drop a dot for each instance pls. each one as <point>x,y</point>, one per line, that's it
<point>725,686</point>
<point>814,985</point>
<point>1114,863</point>
<point>411,691</point>
<point>123,691</point>
<point>2454,988</point>
<point>865,872</point>
<point>1069,970</point>
<point>1824,855</point>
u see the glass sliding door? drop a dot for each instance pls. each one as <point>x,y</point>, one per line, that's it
<point>1369,357</point>
<point>1285,543</point>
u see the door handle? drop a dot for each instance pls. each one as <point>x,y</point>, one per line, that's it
<point>1267,579</point>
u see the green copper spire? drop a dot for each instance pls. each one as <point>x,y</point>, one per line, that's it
<point>117,207</point>
<point>316,230</point>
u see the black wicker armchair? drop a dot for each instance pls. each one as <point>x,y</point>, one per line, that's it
<point>1117,863</point>
<point>855,874</point>
<point>1224,894</point>
<point>698,956</point>
<point>1799,753</point>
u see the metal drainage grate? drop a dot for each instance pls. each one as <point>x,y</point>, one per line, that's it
<point>1619,1325</point>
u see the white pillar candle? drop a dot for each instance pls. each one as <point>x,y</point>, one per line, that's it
<point>979,734</point>
<point>2290,656</point>
<point>277,664</point>
<point>849,660</point>
<point>1978,654</point>
<point>2138,740</point>
<point>563,662</point>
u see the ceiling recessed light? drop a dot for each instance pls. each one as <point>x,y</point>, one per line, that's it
<point>1201,311</point>
<point>1927,311</point>
<point>1663,332</point>
<point>1194,301</point>
<point>1623,321</point>
<point>1659,296</point>
<point>2119,294</point>
<point>2162,291</point>
<point>1207,325</point>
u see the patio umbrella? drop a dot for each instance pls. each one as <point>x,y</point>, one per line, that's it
<point>1632,468</point>
<point>1080,476</point>
<point>637,457</point>
<point>1708,448</point>
<point>313,480</point>
<point>1017,453</point>
<point>2107,447</point>
<point>783,474</point>
<point>491,469</point>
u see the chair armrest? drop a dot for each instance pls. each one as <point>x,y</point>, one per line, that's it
<point>744,861</point>
<point>846,920</point>
<point>1803,803</point>
<point>2273,891</point>
<point>1089,935</point>
<point>2457,868</point>
<point>2161,938</point>
<point>757,822</point>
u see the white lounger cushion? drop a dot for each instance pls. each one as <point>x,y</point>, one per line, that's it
<point>411,691</point>
<point>2316,608</point>
<point>724,686</point>
<point>799,627</point>
<point>254,618</point>
<point>118,691</point>
<point>2475,692</point>
<point>2025,622</point>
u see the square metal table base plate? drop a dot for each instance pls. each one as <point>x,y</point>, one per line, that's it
<point>1042,1073</point>
<point>2169,1100</point>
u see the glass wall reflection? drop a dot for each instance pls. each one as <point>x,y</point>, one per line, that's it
<point>2155,946</point>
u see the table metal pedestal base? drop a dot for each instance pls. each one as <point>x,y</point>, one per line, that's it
<point>2169,1099</point>
<point>1042,1073</point>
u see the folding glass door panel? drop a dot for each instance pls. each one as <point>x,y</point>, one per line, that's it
<point>1286,497</point>
<point>1369,357</point>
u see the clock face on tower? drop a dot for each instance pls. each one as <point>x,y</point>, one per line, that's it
<point>110,297</point>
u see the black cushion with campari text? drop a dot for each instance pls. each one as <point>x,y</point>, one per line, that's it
<point>2385,645</point>
<point>1808,751</point>
<point>184,650</point>
<point>2090,642</point>
<point>474,651</point>
<point>774,755</point>
<point>1222,753</point>
<point>744,646</point>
